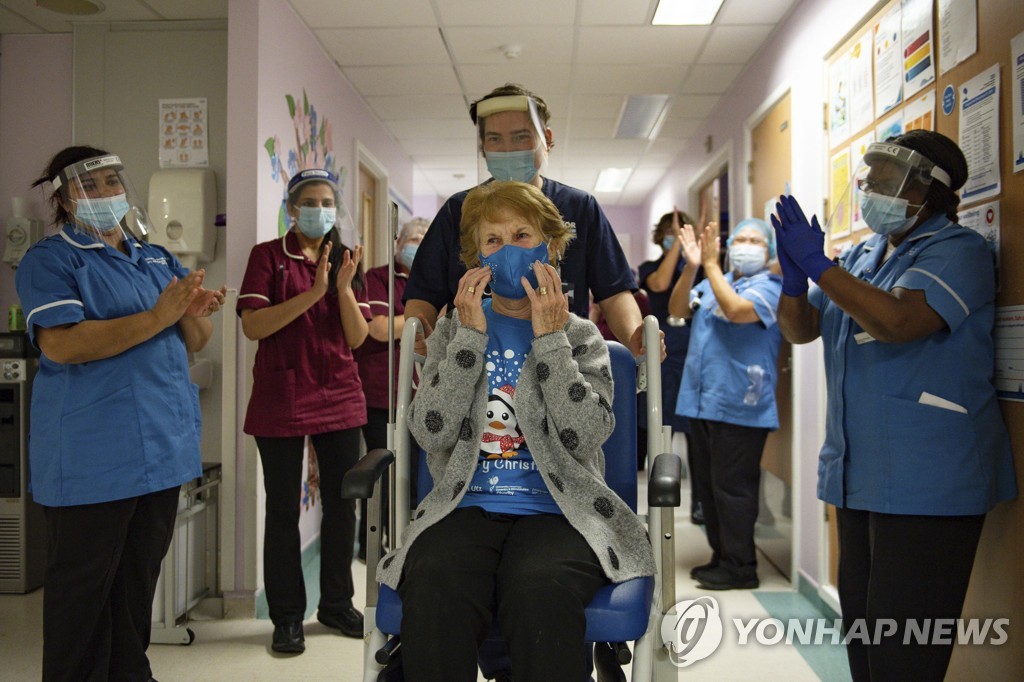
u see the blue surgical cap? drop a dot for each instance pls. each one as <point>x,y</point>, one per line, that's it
<point>760,225</point>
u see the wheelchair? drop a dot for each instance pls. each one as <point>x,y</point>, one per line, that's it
<point>631,611</point>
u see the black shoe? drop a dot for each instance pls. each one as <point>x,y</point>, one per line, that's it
<point>347,619</point>
<point>288,638</point>
<point>361,553</point>
<point>723,579</point>
<point>697,515</point>
<point>697,571</point>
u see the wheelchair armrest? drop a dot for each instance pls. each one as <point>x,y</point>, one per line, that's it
<point>663,488</point>
<point>360,479</point>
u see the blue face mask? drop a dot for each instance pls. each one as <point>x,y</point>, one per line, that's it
<point>668,242</point>
<point>407,255</point>
<point>103,214</point>
<point>518,166</point>
<point>747,259</point>
<point>509,264</point>
<point>315,221</point>
<point>885,215</point>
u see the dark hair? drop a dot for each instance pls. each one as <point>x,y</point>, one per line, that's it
<point>60,161</point>
<point>664,226</point>
<point>510,89</point>
<point>945,154</point>
<point>334,236</point>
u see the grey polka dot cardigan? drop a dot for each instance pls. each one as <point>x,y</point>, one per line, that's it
<point>562,403</point>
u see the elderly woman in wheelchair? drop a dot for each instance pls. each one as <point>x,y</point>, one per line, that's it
<point>512,410</point>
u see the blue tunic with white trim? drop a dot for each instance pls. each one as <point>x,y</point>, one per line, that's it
<point>915,428</point>
<point>730,372</point>
<point>119,427</point>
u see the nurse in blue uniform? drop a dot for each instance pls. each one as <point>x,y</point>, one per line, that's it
<point>916,451</point>
<point>728,388</point>
<point>115,418</point>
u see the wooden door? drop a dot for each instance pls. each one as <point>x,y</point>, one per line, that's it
<point>769,175</point>
<point>367,216</point>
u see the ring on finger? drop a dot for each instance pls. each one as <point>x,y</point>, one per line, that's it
<point>543,291</point>
<point>471,289</point>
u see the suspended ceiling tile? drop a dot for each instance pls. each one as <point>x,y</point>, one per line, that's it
<point>538,13</point>
<point>56,22</point>
<point>403,80</point>
<point>434,128</point>
<point>406,107</point>
<point>599,147</point>
<point>580,178</point>
<point>592,127</point>
<point>676,45</point>
<point>383,46</point>
<point>753,11</point>
<point>349,14</point>
<point>482,45</point>
<point>677,127</point>
<point>14,23</point>
<point>617,12</point>
<point>693,106</point>
<point>733,44</point>
<point>424,147</point>
<point>454,162</point>
<point>628,80</point>
<point>712,79</point>
<point>190,9</point>
<point>597,106</point>
<point>550,82</point>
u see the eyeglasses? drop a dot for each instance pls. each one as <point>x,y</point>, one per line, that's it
<point>888,189</point>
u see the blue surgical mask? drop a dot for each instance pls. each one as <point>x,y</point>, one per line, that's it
<point>103,214</point>
<point>316,221</point>
<point>407,255</point>
<point>668,242</point>
<point>885,215</point>
<point>509,264</point>
<point>518,166</point>
<point>747,259</point>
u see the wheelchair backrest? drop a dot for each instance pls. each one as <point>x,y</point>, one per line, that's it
<point>620,448</point>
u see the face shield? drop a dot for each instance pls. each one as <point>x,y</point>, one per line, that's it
<point>314,212</point>
<point>512,139</point>
<point>880,184</point>
<point>101,200</point>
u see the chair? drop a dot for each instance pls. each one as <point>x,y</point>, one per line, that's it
<point>624,612</point>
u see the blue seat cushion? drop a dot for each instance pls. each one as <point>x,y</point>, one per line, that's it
<point>618,612</point>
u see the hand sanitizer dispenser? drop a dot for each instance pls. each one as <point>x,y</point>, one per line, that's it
<point>182,207</point>
<point>22,232</point>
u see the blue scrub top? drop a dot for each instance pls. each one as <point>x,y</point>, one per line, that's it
<point>730,371</point>
<point>119,427</point>
<point>915,428</point>
<point>593,260</point>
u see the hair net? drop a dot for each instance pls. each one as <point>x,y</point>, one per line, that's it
<point>760,225</point>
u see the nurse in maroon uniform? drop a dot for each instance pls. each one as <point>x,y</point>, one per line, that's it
<point>300,299</point>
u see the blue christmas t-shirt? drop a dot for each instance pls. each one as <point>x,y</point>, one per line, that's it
<point>506,479</point>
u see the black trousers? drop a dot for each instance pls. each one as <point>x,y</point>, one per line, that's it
<point>726,480</point>
<point>336,452</point>
<point>903,567</point>
<point>536,573</point>
<point>101,573</point>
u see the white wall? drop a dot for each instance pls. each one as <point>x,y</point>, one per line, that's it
<point>792,58</point>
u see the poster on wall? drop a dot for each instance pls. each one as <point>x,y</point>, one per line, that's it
<point>958,32</point>
<point>839,192</point>
<point>888,63</point>
<point>979,134</point>
<point>920,114</point>
<point>839,100</point>
<point>857,151</point>
<point>1017,60</point>
<point>984,219</point>
<point>916,37</point>
<point>183,139</point>
<point>889,127</point>
<point>1009,337</point>
<point>862,99</point>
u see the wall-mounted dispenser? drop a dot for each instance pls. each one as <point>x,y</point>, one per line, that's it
<point>182,208</point>
<point>22,232</point>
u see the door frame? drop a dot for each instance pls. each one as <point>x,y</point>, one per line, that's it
<point>720,161</point>
<point>796,445</point>
<point>364,157</point>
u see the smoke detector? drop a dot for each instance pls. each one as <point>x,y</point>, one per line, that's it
<point>512,50</point>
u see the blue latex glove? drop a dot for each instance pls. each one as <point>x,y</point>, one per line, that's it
<point>804,242</point>
<point>794,280</point>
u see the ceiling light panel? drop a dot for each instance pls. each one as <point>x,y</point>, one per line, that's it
<point>641,116</point>
<point>686,12</point>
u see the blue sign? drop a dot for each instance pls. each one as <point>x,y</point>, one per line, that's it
<point>948,100</point>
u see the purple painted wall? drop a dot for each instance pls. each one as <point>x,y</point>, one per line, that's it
<point>35,122</point>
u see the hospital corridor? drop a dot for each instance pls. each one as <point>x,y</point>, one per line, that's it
<point>532,340</point>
